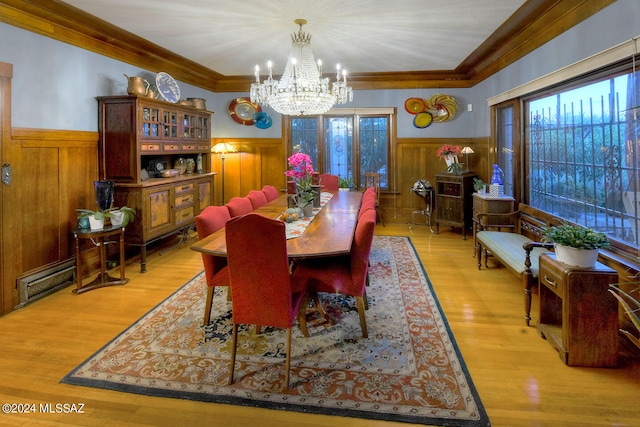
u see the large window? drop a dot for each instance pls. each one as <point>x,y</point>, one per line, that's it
<point>581,145</point>
<point>346,143</point>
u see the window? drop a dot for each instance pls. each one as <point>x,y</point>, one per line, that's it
<point>582,160</point>
<point>346,142</point>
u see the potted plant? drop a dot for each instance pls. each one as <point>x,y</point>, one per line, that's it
<point>478,185</point>
<point>344,183</point>
<point>122,216</point>
<point>576,245</point>
<point>96,218</point>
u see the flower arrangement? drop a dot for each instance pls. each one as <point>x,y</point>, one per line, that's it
<point>301,170</point>
<point>449,150</point>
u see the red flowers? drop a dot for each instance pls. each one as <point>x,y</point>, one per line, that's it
<point>449,150</point>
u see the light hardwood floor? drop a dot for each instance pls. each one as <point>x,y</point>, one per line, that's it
<point>519,376</point>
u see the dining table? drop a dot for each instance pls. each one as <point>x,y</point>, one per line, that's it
<point>329,233</point>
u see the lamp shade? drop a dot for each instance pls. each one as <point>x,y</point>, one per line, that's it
<point>467,150</point>
<point>223,147</point>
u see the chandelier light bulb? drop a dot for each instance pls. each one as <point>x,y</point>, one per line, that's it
<point>301,89</point>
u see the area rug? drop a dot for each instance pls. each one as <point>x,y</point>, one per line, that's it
<point>409,369</point>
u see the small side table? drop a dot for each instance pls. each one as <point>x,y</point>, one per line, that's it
<point>99,237</point>
<point>427,195</point>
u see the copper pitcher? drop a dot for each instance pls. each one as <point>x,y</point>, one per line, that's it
<point>137,86</point>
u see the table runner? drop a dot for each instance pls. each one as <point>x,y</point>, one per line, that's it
<point>296,228</point>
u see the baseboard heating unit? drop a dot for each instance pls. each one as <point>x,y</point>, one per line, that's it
<point>44,282</point>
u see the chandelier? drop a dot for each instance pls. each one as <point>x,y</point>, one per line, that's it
<point>302,90</point>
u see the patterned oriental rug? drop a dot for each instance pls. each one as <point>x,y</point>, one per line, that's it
<point>409,370</point>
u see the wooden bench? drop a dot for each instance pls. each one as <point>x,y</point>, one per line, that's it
<point>514,240</point>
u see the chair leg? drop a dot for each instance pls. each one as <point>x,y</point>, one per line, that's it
<point>207,306</point>
<point>302,315</point>
<point>288,360</point>
<point>363,322</point>
<point>234,338</point>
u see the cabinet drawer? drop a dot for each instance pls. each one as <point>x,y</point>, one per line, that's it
<point>171,147</point>
<point>149,147</point>
<point>204,147</point>
<point>185,199</point>
<point>185,188</point>
<point>184,215</point>
<point>552,280</point>
<point>189,147</point>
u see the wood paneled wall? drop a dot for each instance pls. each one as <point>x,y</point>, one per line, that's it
<point>53,174</point>
<point>416,159</point>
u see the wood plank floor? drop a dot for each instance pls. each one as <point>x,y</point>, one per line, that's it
<point>519,376</point>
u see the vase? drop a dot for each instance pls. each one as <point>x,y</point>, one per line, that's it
<point>117,218</point>
<point>449,160</point>
<point>104,193</point>
<point>96,224</point>
<point>585,258</point>
<point>308,210</point>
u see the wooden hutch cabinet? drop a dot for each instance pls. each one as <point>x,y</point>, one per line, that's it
<point>578,315</point>
<point>454,200</point>
<point>139,138</point>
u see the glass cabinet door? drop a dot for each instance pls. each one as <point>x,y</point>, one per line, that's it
<point>170,122</point>
<point>150,123</point>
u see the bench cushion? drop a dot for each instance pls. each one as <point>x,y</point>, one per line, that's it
<point>507,247</point>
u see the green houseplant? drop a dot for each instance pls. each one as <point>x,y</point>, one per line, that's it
<point>345,183</point>
<point>576,245</point>
<point>122,216</point>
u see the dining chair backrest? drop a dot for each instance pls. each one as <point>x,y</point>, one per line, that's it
<point>257,198</point>
<point>329,182</point>
<point>368,203</point>
<point>210,220</point>
<point>372,180</point>
<point>259,271</point>
<point>270,192</point>
<point>361,249</point>
<point>239,206</point>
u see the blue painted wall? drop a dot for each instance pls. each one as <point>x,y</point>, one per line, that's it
<point>55,84</point>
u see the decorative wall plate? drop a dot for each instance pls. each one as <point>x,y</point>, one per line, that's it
<point>167,87</point>
<point>443,107</point>
<point>242,111</point>
<point>414,105</point>
<point>423,119</point>
<point>262,120</point>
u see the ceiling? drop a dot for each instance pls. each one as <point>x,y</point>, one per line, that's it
<point>215,44</point>
<point>364,36</point>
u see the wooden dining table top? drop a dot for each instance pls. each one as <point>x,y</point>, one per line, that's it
<point>330,233</point>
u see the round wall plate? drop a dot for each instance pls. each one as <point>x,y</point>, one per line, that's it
<point>242,111</point>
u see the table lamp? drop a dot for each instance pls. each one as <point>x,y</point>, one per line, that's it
<point>466,151</point>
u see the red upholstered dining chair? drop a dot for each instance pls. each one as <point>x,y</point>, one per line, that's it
<point>211,219</point>
<point>372,180</point>
<point>345,275</point>
<point>368,202</point>
<point>263,293</point>
<point>329,182</point>
<point>257,198</point>
<point>239,206</point>
<point>270,192</point>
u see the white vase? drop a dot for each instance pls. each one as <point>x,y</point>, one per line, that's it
<point>585,258</point>
<point>117,218</point>
<point>449,160</point>
<point>96,224</point>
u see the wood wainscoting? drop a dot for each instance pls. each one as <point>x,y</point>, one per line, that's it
<point>53,174</point>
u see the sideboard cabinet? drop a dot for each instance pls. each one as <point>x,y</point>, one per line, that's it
<point>139,138</point>
<point>454,200</point>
